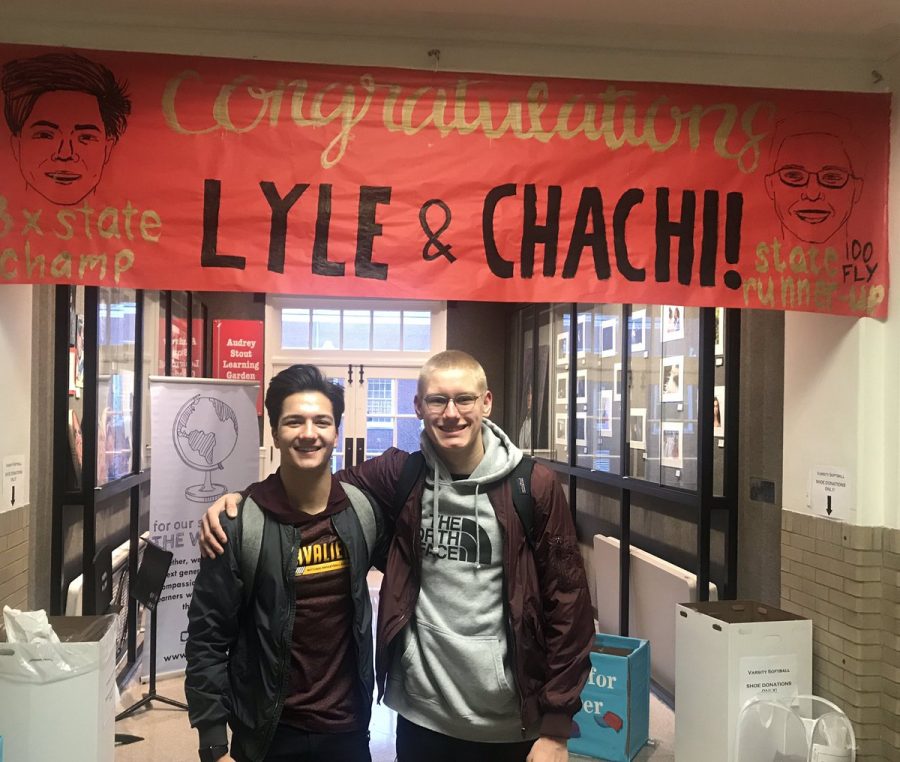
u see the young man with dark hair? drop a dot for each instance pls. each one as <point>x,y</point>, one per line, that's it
<point>279,639</point>
<point>484,623</point>
<point>65,114</point>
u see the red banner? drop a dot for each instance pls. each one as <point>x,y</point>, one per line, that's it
<point>238,353</point>
<point>169,172</point>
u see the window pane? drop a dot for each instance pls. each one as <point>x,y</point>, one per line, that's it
<point>545,392</point>
<point>643,413</point>
<point>679,388</point>
<point>337,456</point>
<point>408,431</point>
<point>598,386</point>
<point>179,333</point>
<point>103,310</point>
<point>378,438</point>
<point>380,421</point>
<point>356,329</point>
<point>559,387</point>
<point>386,332</point>
<point>390,418</point>
<point>719,404</point>
<point>406,393</point>
<point>294,329</point>
<point>379,396</point>
<point>326,329</point>
<point>416,331</point>
<point>115,384</point>
<point>664,389</point>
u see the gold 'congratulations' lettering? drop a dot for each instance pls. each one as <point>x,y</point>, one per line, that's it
<point>352,107</point>
<point>612,117</point>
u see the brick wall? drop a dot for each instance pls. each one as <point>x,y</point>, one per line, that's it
<point>14,558</point>
<point>847,580</point>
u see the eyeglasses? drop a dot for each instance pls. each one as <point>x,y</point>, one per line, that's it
<point>828,177</point>
<point>437,403</point>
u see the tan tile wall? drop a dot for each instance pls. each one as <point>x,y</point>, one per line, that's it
<point>847,580</point>
<point>14,558</point>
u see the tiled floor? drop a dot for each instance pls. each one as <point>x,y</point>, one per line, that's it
<point>167,735</point>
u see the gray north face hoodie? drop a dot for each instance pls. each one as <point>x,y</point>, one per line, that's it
<point>452,671</point>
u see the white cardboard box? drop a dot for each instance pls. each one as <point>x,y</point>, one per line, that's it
<point>71,719</point>
<point>725,653</point>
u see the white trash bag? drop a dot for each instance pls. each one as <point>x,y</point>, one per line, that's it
<point>33,652</point>
<point>798,729</point>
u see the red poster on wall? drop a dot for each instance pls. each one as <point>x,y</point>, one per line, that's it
<point>172,172</point>
<point>238,352</point>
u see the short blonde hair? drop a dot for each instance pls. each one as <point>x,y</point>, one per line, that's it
<point>453,359</point>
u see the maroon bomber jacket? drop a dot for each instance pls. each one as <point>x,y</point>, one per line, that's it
<point>548,603</point>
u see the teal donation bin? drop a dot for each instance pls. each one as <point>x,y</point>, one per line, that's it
<point>614,720</point>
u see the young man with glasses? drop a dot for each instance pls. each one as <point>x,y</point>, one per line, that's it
<point>483,631</point>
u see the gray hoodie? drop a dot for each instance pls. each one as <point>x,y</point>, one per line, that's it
<point>452,670</point>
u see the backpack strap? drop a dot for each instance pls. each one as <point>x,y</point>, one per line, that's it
<point>252,523</point>
<point>413,471</point>
<point>520,484</point>
<point>362,507</point>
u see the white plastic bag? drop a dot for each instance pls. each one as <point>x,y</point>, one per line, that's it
<point>33,652</point>
<point>794,729</point>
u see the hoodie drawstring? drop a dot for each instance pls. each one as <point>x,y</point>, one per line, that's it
<point>434,509</point>
<point>477,531</point>
<point>435,517</point>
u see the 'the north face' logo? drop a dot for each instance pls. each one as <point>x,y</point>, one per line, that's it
<point>456,540</point>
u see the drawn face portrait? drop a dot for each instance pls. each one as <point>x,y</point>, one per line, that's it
<point>63,146</point>
<point>813,186</point>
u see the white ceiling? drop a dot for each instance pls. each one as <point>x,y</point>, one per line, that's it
<point>827,29</point>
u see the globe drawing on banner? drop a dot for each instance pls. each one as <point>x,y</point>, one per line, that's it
<point>205,433</point>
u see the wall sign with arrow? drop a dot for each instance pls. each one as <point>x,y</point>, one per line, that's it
<point>830,493</point>
<point>15,483</point>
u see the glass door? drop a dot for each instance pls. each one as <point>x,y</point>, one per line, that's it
<point>388,413</point>
<point>378,413</point>
<point>374,349</point>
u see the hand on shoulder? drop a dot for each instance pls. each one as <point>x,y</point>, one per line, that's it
<point>212,536</point>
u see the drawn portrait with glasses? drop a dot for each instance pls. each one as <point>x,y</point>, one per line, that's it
<point>815,177</point>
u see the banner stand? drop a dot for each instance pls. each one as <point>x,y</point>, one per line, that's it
<point>205,442</point>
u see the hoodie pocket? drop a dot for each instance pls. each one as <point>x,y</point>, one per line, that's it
<point>463,674</point>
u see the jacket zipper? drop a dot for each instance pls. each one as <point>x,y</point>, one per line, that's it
<point>285,652</point>
<point>415,496</point>
<point>510,632</point>
<point>357,637</point>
